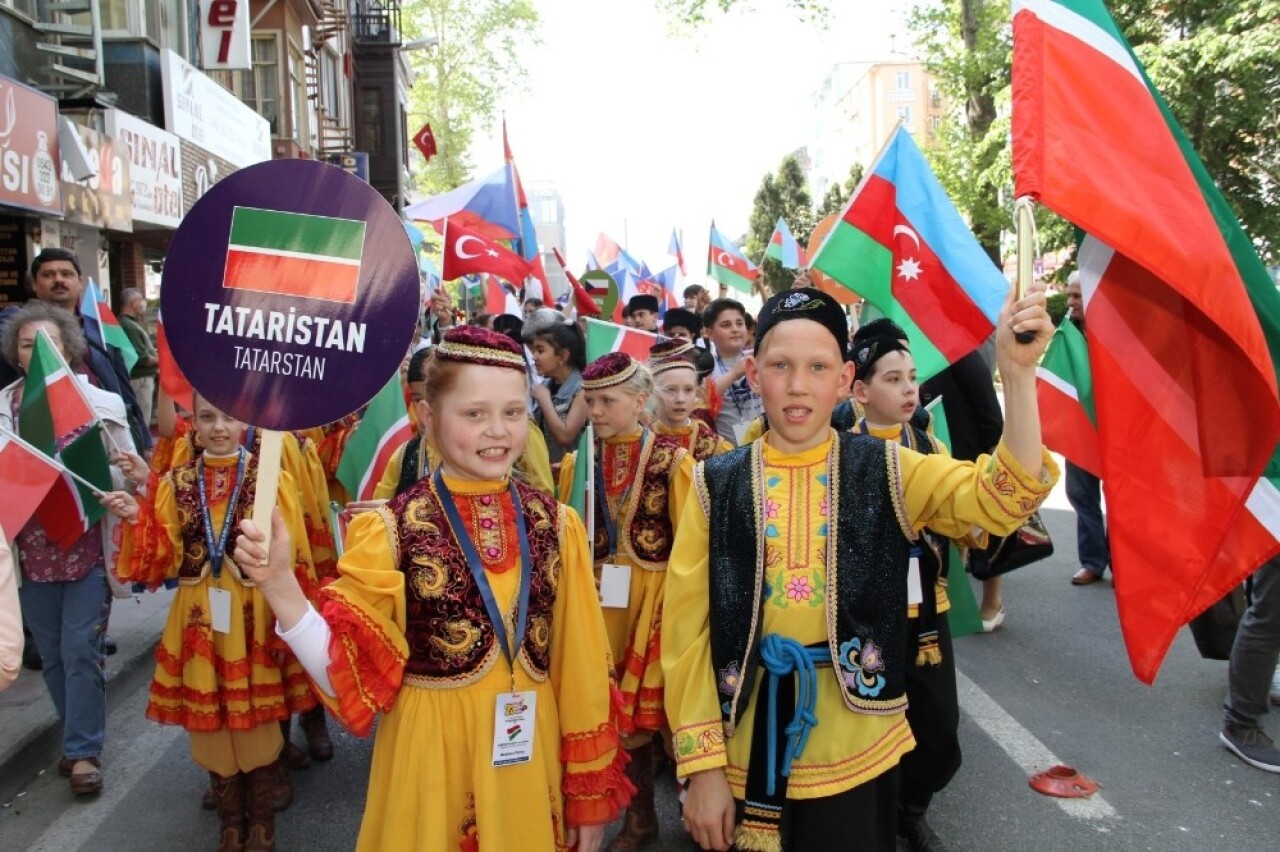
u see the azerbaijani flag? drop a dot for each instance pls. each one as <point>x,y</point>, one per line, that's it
<point>605,337</point>
<point>384,427</point>
<point>727,264</point>
<point>101,325</point>
<point>28,475</point>
<point>784,248</point>
<point>294,254</point>
<point>1064,391</point>
<point>901,244</point>
<point>53,405</point>
<point>1182,319</point>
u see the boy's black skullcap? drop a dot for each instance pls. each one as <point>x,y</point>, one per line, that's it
<point>804,303</point>
<point>869,350</point>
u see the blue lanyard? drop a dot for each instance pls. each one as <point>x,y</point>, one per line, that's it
<point>611,523</point>
<point>219,549</point>
<point>477,569</point>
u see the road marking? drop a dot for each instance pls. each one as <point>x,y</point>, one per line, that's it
<point>77,825</point>
<point>1023,747</point>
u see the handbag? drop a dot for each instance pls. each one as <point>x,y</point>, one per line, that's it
<point>1027,544</point>
<point>1215,629</point>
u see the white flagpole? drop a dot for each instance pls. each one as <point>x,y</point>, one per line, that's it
<point>590,490</point>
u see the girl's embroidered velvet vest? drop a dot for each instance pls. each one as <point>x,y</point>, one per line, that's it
<point>451,641</point>
<point>704,441</point>
<point>186,493</point>
<point>645,531</point>
<point>867,559</point>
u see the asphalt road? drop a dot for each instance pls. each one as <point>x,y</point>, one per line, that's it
<point>1053,685</point>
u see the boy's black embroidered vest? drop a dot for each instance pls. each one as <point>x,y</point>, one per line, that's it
<point>866,587</point>
<point>645,531</point>
<point>934,554</point>
<point>409,464</point>
<point>451,641</point>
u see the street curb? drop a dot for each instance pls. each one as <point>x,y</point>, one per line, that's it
<point>27,754</point>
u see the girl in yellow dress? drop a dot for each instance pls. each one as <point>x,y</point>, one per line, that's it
<point>465,612</point>
<point>221,672</point>
<point>677,394</point>
<point>641,482</point>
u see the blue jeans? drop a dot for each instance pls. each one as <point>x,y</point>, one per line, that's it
<point>1254,654</point>
<point>1084,492</point>
<point>65,619</point>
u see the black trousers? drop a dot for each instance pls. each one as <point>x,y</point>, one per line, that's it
<point>863,819</point>
<point>934,715</point>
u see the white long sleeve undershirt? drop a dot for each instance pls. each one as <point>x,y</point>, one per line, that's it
<point>309,640</point>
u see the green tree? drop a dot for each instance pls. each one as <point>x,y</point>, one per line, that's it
<point>459,81</point>
<point>838,195</point>
<point>692,13</point>
<point>782,195</point>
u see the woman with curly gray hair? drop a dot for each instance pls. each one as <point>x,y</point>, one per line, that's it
<point>64,577</point>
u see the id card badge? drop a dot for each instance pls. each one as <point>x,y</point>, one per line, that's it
<point>915,595</point>
<point>514,714</point>
<point>220,609</point>
<point>615,585</point>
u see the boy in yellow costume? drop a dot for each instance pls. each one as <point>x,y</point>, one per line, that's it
<point>784,636</point>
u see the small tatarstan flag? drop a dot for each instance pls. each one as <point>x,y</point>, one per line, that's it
<point>294,254</point>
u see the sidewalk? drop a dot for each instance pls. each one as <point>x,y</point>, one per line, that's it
<point>30,735</point>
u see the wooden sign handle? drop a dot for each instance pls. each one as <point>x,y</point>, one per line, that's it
<point>268,480</point>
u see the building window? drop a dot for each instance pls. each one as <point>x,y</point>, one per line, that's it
<point>935,97</point>
<point>371,121</point>
<point>26,7</point>
<point>935,125</point>
<point>550,215</point>
<point>329,83</point>
<point>902,80</point>
<point>904,115</point>
<point>297,103</point>
<point>258,87</point>
<point>172,26</point>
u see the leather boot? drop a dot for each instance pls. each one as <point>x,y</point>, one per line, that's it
<point>293,757</point>
<point>260,812</point>
<point>282,793</point>
<point>229,795</point>
<point>641,825</point>
<point>319,746</point>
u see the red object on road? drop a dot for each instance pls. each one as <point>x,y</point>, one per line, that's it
<point>1063,782</point>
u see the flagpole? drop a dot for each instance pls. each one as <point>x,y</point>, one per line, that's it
<point>79,390</point>
<point>589,489</point>
<point>52,462</point>
<point>1025,222</point>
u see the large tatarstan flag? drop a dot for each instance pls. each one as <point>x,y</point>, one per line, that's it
<point>383,429</point>
<point>901,244</point>
<point>727,264</point>
<point>1182,320</point>
<point>294,254</point>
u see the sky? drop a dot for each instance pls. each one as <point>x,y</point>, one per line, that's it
<point>642,129</point>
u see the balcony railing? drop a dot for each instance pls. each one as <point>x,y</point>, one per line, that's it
<point>377,22</point>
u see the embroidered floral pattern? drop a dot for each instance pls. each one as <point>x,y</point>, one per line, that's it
<point>799,589</point>
<point>862,664</point>
<point>730,678</point>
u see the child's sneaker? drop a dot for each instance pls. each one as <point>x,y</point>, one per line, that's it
<point>1253,746</point>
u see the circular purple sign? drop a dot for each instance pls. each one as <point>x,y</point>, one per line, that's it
<point>290,294</point>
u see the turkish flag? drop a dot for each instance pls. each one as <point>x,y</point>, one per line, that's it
<point>467,252</point>
<point>426,142</point>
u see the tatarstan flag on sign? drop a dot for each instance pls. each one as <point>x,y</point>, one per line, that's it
<point>1064,392</point>
<point>384,427</point>
<point>727,264</point>
<point>901,244</point>
<point>294,254</point>
<point>1182,320</point>
<point>605,337</point>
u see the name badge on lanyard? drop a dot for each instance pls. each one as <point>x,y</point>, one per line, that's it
<point>219,599</point>
<point>615,585</point>
<point>514,712</point>
<point>915,593</point>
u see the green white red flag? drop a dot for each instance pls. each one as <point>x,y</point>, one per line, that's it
<point>384,427</point>
<point>605,337</point>
<point>28,476</point>
<point>72,506</point>
<point>102,326</point>
<point>1064,391</point>
<point>294,254</point>
<point>53,405</point>
<point>1182,319</point>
